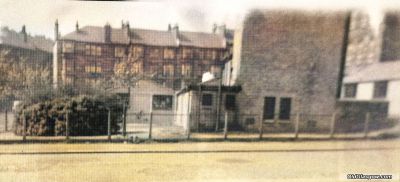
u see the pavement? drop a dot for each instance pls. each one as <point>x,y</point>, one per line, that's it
<point>215,161</point>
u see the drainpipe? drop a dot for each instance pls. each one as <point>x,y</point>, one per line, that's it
<point>343,55</point>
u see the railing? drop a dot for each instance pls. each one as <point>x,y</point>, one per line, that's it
<point>204,127</point>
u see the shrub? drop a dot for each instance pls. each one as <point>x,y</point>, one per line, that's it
<point>88,115</point>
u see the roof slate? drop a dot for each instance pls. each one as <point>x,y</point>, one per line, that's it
<point>374,72</point>
<point>149,37</point>
<point>12,38</point>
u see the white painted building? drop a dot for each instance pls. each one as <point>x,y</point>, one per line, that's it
<point>377,81</point>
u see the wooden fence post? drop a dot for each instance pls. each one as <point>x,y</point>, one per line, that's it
<point>188,125</point>
<point>151,124</point>
<point>333,122</point>
<point>67,125</point>
<point>366,124</point>
<point>109,125</point>
<point>296,127</point>
<point>6,121</point>
<point>261,128</point>
<point>226,126</point>
<point>124,120</point>
<point>24,126</point>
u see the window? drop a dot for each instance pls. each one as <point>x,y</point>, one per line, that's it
<point>198,54</point>
<point>93,69</point>
<point>208,54</point>
<point>230,102</point>
<point>80,48</point>
<point>155,53</point>
<point>350,90</point>
<point>380,89</point>
<point>119,51</point>
<point>168,70</point>
<point>284,108</point>
<point>138,51</point>
<point>68,47</point>
<point>186,53</point>
<point>186,70</point>
<point>169,53</point>
<point>269,108</point>
<point>93,50</point>
<point>162,102</point>
<point>206,100</point>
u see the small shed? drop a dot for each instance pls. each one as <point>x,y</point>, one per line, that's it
<point>204,106</point>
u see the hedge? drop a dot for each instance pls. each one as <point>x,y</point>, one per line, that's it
<point>88,116</point>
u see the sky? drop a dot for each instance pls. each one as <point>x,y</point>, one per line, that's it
<point>196,15</point>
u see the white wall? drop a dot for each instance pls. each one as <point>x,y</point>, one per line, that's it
<point>365,91</point>
<point>393,96</point>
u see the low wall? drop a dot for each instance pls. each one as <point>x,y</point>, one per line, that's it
<point>351,115</point>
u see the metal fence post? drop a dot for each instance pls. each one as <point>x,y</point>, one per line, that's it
<point>6,121</point>
<point>67,125</point>
<point>188,125</point>
<point>124,120</point>
<point>366,124</point>
<point>333,122</point>
<point>24,126</point>
<point>151,125</point>
<point>226,126</point>
<point>261,128</point>
<point>109,125</point>
<point>296,127</point>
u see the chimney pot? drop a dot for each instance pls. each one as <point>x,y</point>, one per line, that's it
<point>107,33</point>
<point>77,26</point>
<point>25,35</point>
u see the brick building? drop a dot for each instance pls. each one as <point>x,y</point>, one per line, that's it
<point>36,50</point>
<point>172,57</point>
<point>285,62</point>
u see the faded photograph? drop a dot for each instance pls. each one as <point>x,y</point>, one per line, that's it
<point>199,90</point>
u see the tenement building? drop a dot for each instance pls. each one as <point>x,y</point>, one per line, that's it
<point>172,57</point>
<point>36,51</point>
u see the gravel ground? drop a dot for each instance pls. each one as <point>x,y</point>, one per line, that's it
<point>218,161</point>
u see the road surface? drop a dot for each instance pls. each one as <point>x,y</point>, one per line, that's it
<point>218,161</point>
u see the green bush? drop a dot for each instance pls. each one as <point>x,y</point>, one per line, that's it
<point>87,115</point>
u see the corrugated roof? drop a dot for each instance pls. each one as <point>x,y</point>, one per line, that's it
<point>389,70</point>
<point>12,38</point>
<point>148,37</point>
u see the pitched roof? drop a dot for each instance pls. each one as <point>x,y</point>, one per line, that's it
<point>149,37</point>
<point>12,38</point>
<point>374,72</point>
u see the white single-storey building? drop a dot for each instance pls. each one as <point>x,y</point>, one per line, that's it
<point>378,81</point>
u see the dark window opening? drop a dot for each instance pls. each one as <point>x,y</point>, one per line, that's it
<point>350,90</point>
<point>230,102</point>
<point>162,102</point>
<point>207,100</point>
<point>380,89</point>
<point>269,108</point>
<point>284,108</point>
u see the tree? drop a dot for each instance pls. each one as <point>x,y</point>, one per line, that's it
<point>21,80</point>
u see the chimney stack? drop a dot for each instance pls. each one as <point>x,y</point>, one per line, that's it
<point>23,32</point>
<point>127,29</point>
<point>107,33</point>
<point>175,30</point>
<point>77,26</point>
<point>169,27</point>
<point>214,28</point>
<point>56,34</point>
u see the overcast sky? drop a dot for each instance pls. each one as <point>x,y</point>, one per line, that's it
<point>39,15</point>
